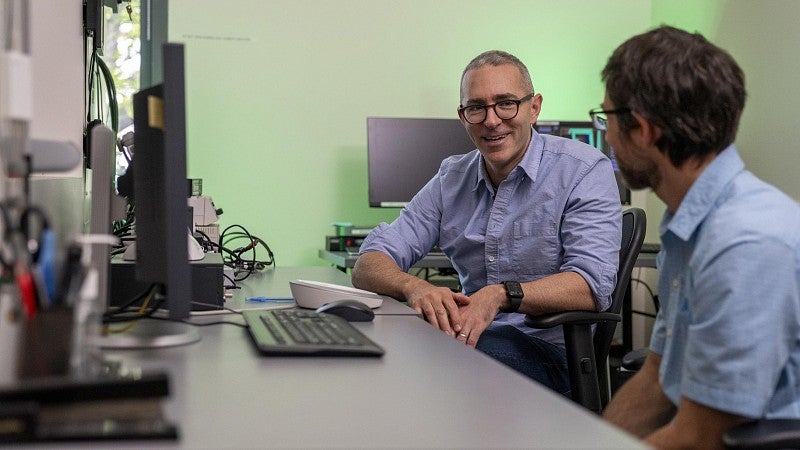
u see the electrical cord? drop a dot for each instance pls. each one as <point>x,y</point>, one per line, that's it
<point>98,66</point>
<point>653,297</point>
<point>123,315</point>
<point>244,260</point>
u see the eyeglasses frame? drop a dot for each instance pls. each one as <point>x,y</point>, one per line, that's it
<point>493,106</point>
<point>602,123</point>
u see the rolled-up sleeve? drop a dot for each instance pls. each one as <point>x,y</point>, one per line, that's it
<point>591,231</point>
<point>409,238</point>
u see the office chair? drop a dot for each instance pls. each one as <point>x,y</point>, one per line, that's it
<point>585,352</point>
<point>764,434</point>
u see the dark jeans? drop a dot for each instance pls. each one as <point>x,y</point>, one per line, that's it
<point>533,357</point>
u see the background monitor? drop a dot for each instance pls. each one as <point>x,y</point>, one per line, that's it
<point>162,215</point>
<point>585,132</point>
<point>403,154</point>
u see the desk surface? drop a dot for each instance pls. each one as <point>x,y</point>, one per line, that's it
<point>428,391</point>
<point>275,283</point>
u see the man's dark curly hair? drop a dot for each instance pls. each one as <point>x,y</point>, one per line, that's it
<point>686,86</point>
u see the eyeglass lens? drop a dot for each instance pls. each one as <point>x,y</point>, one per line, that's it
<point>600,120</point>
<point>504,110</point>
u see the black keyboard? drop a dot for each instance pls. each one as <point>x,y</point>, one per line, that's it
<point>307,332</point>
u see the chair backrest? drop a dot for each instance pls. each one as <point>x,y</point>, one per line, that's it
<point>634,225</point>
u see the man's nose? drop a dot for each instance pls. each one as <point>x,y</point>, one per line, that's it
<point>492,120</point>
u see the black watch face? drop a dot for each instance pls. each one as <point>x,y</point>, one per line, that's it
<point>514,289</point>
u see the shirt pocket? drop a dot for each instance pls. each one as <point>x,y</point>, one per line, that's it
<point>535,249</point>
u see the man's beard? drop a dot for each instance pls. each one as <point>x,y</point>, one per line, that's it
<point>640,176</point>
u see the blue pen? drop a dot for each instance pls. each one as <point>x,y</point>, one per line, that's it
<point>261,299</point>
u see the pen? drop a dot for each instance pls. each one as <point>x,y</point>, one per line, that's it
<point>261,299</point>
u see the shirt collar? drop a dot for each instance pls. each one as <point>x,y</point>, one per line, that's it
<point>529,164</point>
<point>703,194</point>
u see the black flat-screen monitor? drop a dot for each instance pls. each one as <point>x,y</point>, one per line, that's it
<point>162,215</point>
<point>585,132</point>
<point>405,153</point>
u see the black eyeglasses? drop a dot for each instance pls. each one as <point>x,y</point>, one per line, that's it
<point>600,116</point>
<point>504,109</point>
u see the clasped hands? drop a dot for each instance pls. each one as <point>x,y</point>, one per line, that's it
<point>457,314</point>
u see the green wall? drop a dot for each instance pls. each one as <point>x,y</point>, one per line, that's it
<point>279,91</point>
<point>763,36</point>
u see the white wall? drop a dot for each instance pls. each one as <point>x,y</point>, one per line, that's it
<point>57,51</point>
<point>58,105</point>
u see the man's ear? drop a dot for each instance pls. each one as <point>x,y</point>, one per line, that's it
<point>646,134</point>
<point>461,117</point>
<point>536,107</point>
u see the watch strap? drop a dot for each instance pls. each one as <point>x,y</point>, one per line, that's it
<point>514,293</point>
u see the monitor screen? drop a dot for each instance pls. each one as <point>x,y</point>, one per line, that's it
<point>585,132</point>
<point>161,189</point>
<point>404,154</point>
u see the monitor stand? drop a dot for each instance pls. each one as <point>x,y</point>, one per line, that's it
<point>150,333</point>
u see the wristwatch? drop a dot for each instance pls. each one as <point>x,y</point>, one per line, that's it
<point>515,294</point>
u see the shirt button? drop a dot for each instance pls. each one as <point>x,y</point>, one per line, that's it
<point>491,259</point>
<point>676,282</point>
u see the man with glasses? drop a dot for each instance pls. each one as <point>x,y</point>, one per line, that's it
<point>724,347</point>
<point>530,222</point>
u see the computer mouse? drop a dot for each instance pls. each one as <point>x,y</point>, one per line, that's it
<point>349,310</point>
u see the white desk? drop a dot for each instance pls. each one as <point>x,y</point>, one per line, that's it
<point>427,391</point>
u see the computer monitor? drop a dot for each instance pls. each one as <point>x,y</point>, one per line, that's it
<point>161,189</point>
<point>162,216</point>
<point>585,132</point>
<point>405,153</point>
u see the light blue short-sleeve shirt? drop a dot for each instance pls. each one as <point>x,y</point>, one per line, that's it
<point>729,284</point>
<point>557,211</point>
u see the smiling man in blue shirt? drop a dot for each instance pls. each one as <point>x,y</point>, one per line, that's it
<point>530,222</point>
<point>724,347</point>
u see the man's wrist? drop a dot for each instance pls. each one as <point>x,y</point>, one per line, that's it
<point>514,295</point>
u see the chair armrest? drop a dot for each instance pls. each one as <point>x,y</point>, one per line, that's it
<point>764,434</point>
<point>634,359</point>
<point>570,318</point>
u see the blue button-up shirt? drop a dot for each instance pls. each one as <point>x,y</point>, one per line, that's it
<point>729,283</point>
<point>557,211</point>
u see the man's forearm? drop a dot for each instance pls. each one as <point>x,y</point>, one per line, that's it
<point>377,272</point>
<point>640,406</point>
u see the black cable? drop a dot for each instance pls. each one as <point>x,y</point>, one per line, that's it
<point>204,324</point>
<point>653,296</point>
<point>236,260</point>
<point>122,315</point>
<point>217,307</point>
<point>90,84</point>
<point>122,309</point>
<point>644,313</point>
<point>221,322</point>
<point>97,64</point>
<point>233,282</point>
<point>208,243</point>
<point>145,315</point>
<point>111,91</point>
